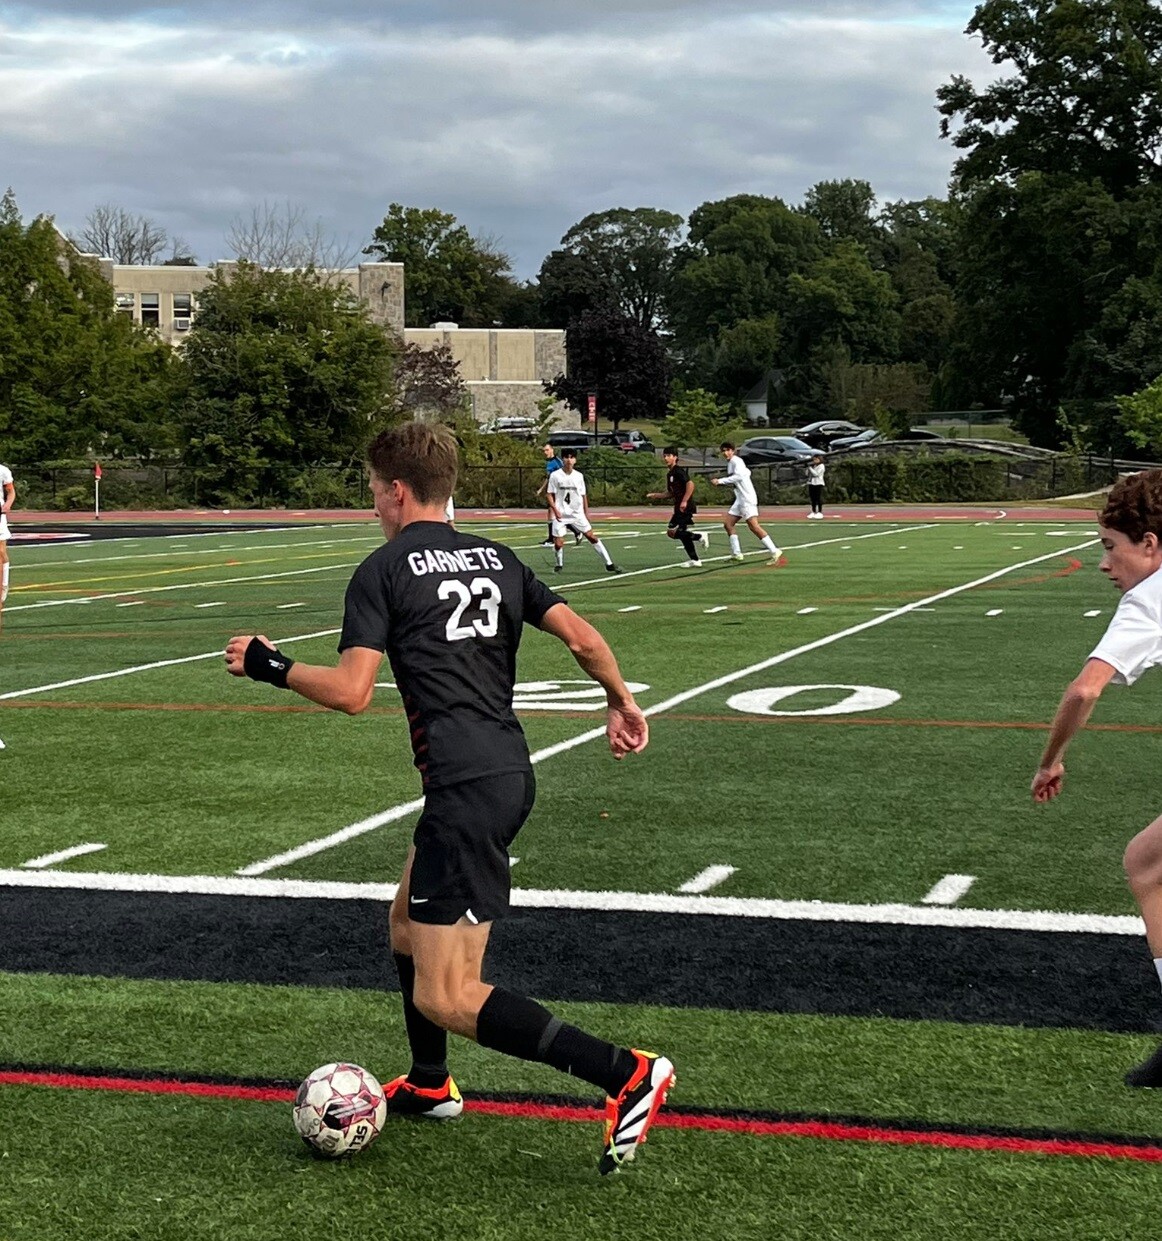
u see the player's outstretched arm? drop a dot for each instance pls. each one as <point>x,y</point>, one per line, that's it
<point>1074,709</point>
<point>626,727</point>
<point>347,687</point>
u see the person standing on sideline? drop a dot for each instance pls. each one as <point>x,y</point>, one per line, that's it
<point>569,504</point>
<point>7,496</point>
<point>815,471</point>
<point>680,488</point>
<point>1130,526</point>
<point>448,608</point>
<point>745,506</point>
<point>552,464</point>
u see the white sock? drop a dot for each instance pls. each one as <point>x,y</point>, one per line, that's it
<point>599,548</point>
<point>4,582</point>
<point>735,546</point>
<point>560,555</point>
<point>769,544</point>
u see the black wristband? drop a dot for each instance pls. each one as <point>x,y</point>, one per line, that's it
<point>266,663</point>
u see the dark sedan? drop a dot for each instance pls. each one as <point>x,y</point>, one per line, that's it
<point>775,450</point>
<point>872,436</point>
<point>822,434</point>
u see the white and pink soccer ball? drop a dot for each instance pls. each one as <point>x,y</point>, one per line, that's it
<point>339,1110</point>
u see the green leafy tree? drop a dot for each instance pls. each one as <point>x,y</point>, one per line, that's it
<point>1085,102</point>
<point>1058,197</point>
<point>1140,417</point>
<point>450,274</point>
<point>75,377</point>
<point>621,256</point>
<point>282,372</point>
<point>846,210</point>
<point>624,363</point>
<point>698,419</point>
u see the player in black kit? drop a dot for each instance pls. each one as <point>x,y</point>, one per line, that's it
<point>447,608</point>
<point>680,488</point>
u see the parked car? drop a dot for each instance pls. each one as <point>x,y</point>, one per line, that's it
<point>872,436</point>
<point>579,441</point>
<point>775,449</point>
<point>518,428</point>
<point>821,434</point>
<point>627,441</point>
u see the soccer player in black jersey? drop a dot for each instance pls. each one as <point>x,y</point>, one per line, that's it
<point>680,488</point>
<point>447,608</point>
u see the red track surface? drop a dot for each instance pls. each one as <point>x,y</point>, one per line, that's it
<point>842,512</point>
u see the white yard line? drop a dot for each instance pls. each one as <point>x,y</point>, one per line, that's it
<point>157,590</point>
<point>949,890</point>
<point>609,902</point>
<point>706,879</point>
<point>51,859</point>
<point>311,847</point>
<point>159,663</point>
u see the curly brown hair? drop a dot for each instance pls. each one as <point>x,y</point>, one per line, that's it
<point>421,454</point>
<point>1134,506</point>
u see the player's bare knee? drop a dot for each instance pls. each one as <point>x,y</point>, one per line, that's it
<point>1142,860</point>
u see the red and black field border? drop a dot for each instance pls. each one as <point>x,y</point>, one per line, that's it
<point>889,1131</point>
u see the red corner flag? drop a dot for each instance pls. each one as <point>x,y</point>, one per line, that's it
<point>97,469</point>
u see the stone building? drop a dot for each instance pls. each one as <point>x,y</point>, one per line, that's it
<point>502,368</point>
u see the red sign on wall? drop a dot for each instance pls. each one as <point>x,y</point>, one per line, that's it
<point>593,407</point>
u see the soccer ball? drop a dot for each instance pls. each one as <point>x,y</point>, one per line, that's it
<point>339,1109</point>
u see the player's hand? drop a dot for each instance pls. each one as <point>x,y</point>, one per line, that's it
<point>682,507</point>
<point>627,729</point>
<point>1048,781</point>
<point>236,652</point>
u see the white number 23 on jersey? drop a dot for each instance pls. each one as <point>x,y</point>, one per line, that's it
<point>482,593</point>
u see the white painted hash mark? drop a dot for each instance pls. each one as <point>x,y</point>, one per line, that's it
<point>1095,612</point>
<point>949,890</point>
<point>283,606</point>
<point>995,612</point>
<point>51,859</point>
<point>806,611</point>
<point>711,611</point>
<point>220,604</point>
<point>709,878</point>
<point>636,608</point>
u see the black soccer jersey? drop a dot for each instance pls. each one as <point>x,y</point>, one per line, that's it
<point>447,607</point>
<point>676,482</point>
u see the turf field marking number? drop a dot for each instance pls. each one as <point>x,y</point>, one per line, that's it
<point>564,695</point>
<point>482,591</point>
<point>858,698</point>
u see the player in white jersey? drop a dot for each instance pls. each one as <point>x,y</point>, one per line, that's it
<point>1131,533</point>
<point>7,496</point>
<point>745,506</point>
<point>450,513</point>
<point>569,505</point>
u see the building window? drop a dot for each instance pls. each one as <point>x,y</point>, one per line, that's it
<point>151,309</point>
<point>183,307</point>
<point>125,304</point>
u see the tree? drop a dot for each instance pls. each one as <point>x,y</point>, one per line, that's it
<point>624,363</point>
<point>282,372</point>
<point>1058,194</point>
<point>846,210</point>
<point>622,256</point>
<point>450,274</point>
<point>75,377</point>
<point>427,384</point>
<point>698,419</point>
<point>282,236</point>
<point>1085,102</point>
<point>1140,416</point>
<point>114,233</point>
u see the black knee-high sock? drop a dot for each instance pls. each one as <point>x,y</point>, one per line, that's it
<point>429,1043</point>
<point>520,1027</point>
<point>688,543</point>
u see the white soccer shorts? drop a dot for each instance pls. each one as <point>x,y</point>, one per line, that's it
<point>578,523</point>
<point>744,510</point>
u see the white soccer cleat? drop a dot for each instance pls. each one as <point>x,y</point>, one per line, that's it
<point>737,556</point>
<point>691,564</point>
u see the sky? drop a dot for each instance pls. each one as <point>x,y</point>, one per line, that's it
<point>519,117</point>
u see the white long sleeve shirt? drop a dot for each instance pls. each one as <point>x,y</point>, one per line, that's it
<point>815,475</point>
<point>738,476</point>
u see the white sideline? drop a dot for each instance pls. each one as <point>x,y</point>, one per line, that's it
<point>312,847</point>
<point>605,902</point>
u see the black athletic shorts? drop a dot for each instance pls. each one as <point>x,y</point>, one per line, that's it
<point>682,521</point>
<point>461,867</point>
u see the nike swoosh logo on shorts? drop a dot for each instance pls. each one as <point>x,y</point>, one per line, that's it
<point>418,900</point>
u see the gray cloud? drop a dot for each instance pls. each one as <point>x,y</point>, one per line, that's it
<point>519,133</point>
